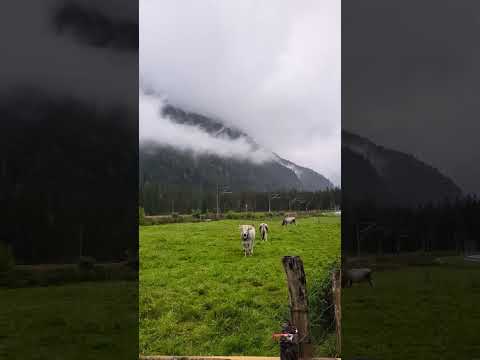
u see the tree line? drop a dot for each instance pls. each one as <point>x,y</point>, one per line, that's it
<point>158,199</point>
<point>443,226</point>
<point>68,180</point>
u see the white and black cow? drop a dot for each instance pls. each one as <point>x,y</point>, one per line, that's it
<point>247,234</point>
<point>289,220</point>
<point>263,228</point>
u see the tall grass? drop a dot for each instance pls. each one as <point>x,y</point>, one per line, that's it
<point>200,296</point>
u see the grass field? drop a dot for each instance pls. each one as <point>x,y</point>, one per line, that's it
<point>200,296</point>
<point>414,312</point>
<point>87,321</point>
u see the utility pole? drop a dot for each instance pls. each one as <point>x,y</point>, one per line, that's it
<point>270,198</point>
<point>290,203</point>
<point>308,203</point>
<point>218,210</point>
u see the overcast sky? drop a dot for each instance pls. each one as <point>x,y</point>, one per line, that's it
<point>271,68</point>
<point>59,63</point>
<point>411,80</point>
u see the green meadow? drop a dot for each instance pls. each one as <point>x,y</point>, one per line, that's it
<point>199,295</point>
<point>81,321</point>
<point>428,310</point>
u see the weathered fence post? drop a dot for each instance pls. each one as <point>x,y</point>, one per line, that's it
<point>337,301</point>
<point>297,290</point>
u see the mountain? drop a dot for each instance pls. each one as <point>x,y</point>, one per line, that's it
<point>311,180</point>
<point>167,165</point>
<point>370,171</point>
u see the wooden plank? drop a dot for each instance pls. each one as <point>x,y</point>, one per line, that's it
<point>164,357</point>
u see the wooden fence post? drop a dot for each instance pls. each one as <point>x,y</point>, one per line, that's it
<point>337,301</point>
<point>297,290</point>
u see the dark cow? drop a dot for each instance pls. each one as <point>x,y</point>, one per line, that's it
<point>350,276</point>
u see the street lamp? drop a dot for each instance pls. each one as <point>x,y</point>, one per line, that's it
<point>270,198</point>
<point>225,190</point>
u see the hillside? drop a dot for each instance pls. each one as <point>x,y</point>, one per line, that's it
<point>166,165</point>
<point>389,176</point>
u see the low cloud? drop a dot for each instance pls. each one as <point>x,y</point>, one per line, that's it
<point>156,128</point>
<point>53,51</point>
<point>91,26</point>
<point>271,68</point>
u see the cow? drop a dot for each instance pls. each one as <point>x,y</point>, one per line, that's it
<point>357,275</point>
<point>263,229</point>
<point>247,234</point>
<point>289,220</point>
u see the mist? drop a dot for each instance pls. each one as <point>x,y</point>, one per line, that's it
<point>156,128</point>
<point>270,69</point>
<point>413,86</point>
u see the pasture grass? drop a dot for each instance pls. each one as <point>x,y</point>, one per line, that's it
<point>427,311</point>
<point>58,274</point>
<point>87,321</point>
<point>200,296</point>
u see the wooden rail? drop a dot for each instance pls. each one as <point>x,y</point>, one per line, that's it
<point>163,357</point>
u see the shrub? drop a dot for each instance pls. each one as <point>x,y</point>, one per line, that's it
<point>6,257</point>
<point>249,215</point>
<point>196,213</point>
<point>230,215</point>
<point>321,303</point>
